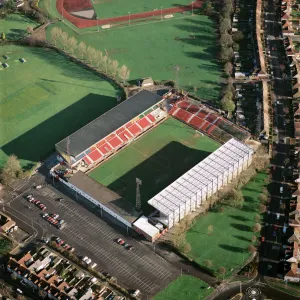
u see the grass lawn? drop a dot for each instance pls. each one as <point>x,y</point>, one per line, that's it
<point>183,288</point>
<point>227,246</point>
<point>14,26</point>
<point>154,49</point>
<point>44,100</point>
<point>158,158</point>
<point>115,8</point>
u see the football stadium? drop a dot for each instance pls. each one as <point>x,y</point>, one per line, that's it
<point>151,160</point>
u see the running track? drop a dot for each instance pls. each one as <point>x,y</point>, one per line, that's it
<point>84,23</point>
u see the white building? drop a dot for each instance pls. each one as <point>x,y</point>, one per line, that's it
<point>199,183</point>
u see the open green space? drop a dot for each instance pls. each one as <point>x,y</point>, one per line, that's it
<point>158,158</point>
<point>156,49</point>
<point>45,99</point>
<point>232,231</point>
<point>185,287</point>
<point>110,9</point>
<point>14,26</point>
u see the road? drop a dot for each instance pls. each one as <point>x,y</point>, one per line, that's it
<point>272,252</point>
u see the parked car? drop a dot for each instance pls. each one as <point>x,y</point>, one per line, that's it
<point>128,247</point>
<point>59,199</point>
<point>120,241</point>
<point>93,265</point>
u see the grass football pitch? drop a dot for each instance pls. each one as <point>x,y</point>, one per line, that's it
<point>158,158</point>
<point>232,231</point>
<point>45,99</point>
<point>155,49</point>
<point>185,287</point>
<point>110,9</point>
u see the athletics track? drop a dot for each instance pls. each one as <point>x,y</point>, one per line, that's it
<point>64,5</point>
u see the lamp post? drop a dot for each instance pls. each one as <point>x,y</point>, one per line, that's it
<point>161,13</point>
<point>129,18</point>
<point>192,8</point>
<point>98,23</point>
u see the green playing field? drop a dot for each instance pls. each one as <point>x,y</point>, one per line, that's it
<point>45,99</point>
<point>110,9</point>
<point>157,158</point>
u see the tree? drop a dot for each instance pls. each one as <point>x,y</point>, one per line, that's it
<point>90,51</point>
<point>225,25</point>
<point>124,73</point>
<point>3,37</point>
<point>251,248</point>
<point>228,67</point>
<point>257,218</point>
<point>226,54</point>
<point>238,36</point>
<point>253,239</point>
<point>29,30</point>
<point>105,62</point>
<point>64,38</point>
<point>226,40</point>
<point>263,198</point>
<point>99,58</point>
<point>114,68</point>
<point>227,104</point>
<point>55,34</point>
<point>210,229</point>
<point>222,271</point>
<point>72,43</point>
<point>5,245</point>
<point>11,170</point>
<point>9,5</point>
<point>256,227</point>
<point>82,49</point>
<point>262,208</point>
<point>187,248</point>
<point>208,263</point>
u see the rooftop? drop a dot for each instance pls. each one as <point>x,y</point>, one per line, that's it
<point>104,196</point>
<point>107,123</point>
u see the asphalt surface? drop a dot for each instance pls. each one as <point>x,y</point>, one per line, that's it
<point>139,268</point>
<point>272,251</point>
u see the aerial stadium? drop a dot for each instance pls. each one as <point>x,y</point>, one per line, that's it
<point>151,160</point>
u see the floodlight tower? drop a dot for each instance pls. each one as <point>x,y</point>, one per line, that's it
<point>138,204</point>
<point>68,150</point>
<point>176,68</point>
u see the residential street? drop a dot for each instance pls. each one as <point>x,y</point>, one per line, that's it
<point>276,218</point>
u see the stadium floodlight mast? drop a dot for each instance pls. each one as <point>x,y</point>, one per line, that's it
<point>129,18</point>
<point>138,203</point>
<point>97,23</point>
<point>176,68</point>
<point>161,13</point>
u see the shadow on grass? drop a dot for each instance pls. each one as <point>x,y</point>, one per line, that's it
<point>241,227</point>
<point>239,218</point>
<point>38,142</point>
<point>157,172</point>
<point>232,248</point>
<point>242,238</point>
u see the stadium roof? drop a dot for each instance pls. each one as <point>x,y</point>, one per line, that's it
<point>104,196</point>
<point>204,173</point>
<point>107,123</point>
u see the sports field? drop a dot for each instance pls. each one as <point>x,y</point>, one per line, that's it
<point>109,9</point>
<point>155,49</point>
<point>227,246</point>
<point>14,26</point>
<point>185,287</point>
<point>45,99</point>
<point>158,158</point>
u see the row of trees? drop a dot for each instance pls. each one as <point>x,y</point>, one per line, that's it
<point>96,58</point>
